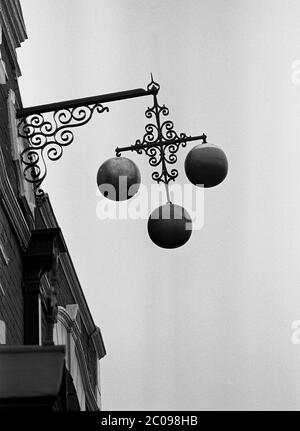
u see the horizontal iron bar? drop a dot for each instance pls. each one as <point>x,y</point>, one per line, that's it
<point>103,98</point>
<point>162,143</point>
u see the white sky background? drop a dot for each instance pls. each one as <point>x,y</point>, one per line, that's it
<point>206,326</point>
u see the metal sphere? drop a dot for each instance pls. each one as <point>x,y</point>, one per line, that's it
<point>170,226</point>
<point>206,165</point>
<point>118,178</point>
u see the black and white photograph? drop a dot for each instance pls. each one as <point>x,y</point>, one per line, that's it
<point>149,209</point>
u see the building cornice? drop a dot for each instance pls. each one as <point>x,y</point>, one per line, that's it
<point>12,22</point>
<point>70,275</point>
<point>71,324</point>
<point>92,330</point>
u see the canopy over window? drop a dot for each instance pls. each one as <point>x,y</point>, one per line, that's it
<point>32,376</point>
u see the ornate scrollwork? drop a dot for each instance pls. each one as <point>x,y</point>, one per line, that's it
<point>48,129</point>
<point>48,135</point>
<point>160,141</point>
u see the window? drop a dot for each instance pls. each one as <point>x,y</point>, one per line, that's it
<point>66,332</point>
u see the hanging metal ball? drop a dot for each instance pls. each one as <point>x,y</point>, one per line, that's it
<point>170,226</point>
<point>118,178</point>
<point>206,165</point>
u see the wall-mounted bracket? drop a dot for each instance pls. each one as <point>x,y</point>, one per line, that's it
<point>49,128</point>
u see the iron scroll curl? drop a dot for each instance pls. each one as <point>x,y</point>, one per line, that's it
<point>47,135</point>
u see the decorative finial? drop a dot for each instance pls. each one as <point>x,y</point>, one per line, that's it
<point>154,86</point>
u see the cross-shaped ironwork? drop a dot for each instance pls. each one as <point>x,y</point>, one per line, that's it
<point>160,142</point>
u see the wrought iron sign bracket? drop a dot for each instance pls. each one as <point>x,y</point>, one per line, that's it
<point>48,129</point>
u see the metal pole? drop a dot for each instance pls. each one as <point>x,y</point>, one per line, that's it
<point>102,98</point>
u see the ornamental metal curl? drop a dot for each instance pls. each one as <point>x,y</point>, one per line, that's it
<point>47,136</point>
<point>160,141</point>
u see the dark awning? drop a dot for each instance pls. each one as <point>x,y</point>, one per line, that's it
<point>31,375</point>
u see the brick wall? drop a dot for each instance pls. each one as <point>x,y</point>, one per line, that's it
<point>4,131</point>
<point>66,297</point>
<point>11,296</point>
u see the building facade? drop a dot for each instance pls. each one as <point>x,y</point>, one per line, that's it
<point>45,322</point>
